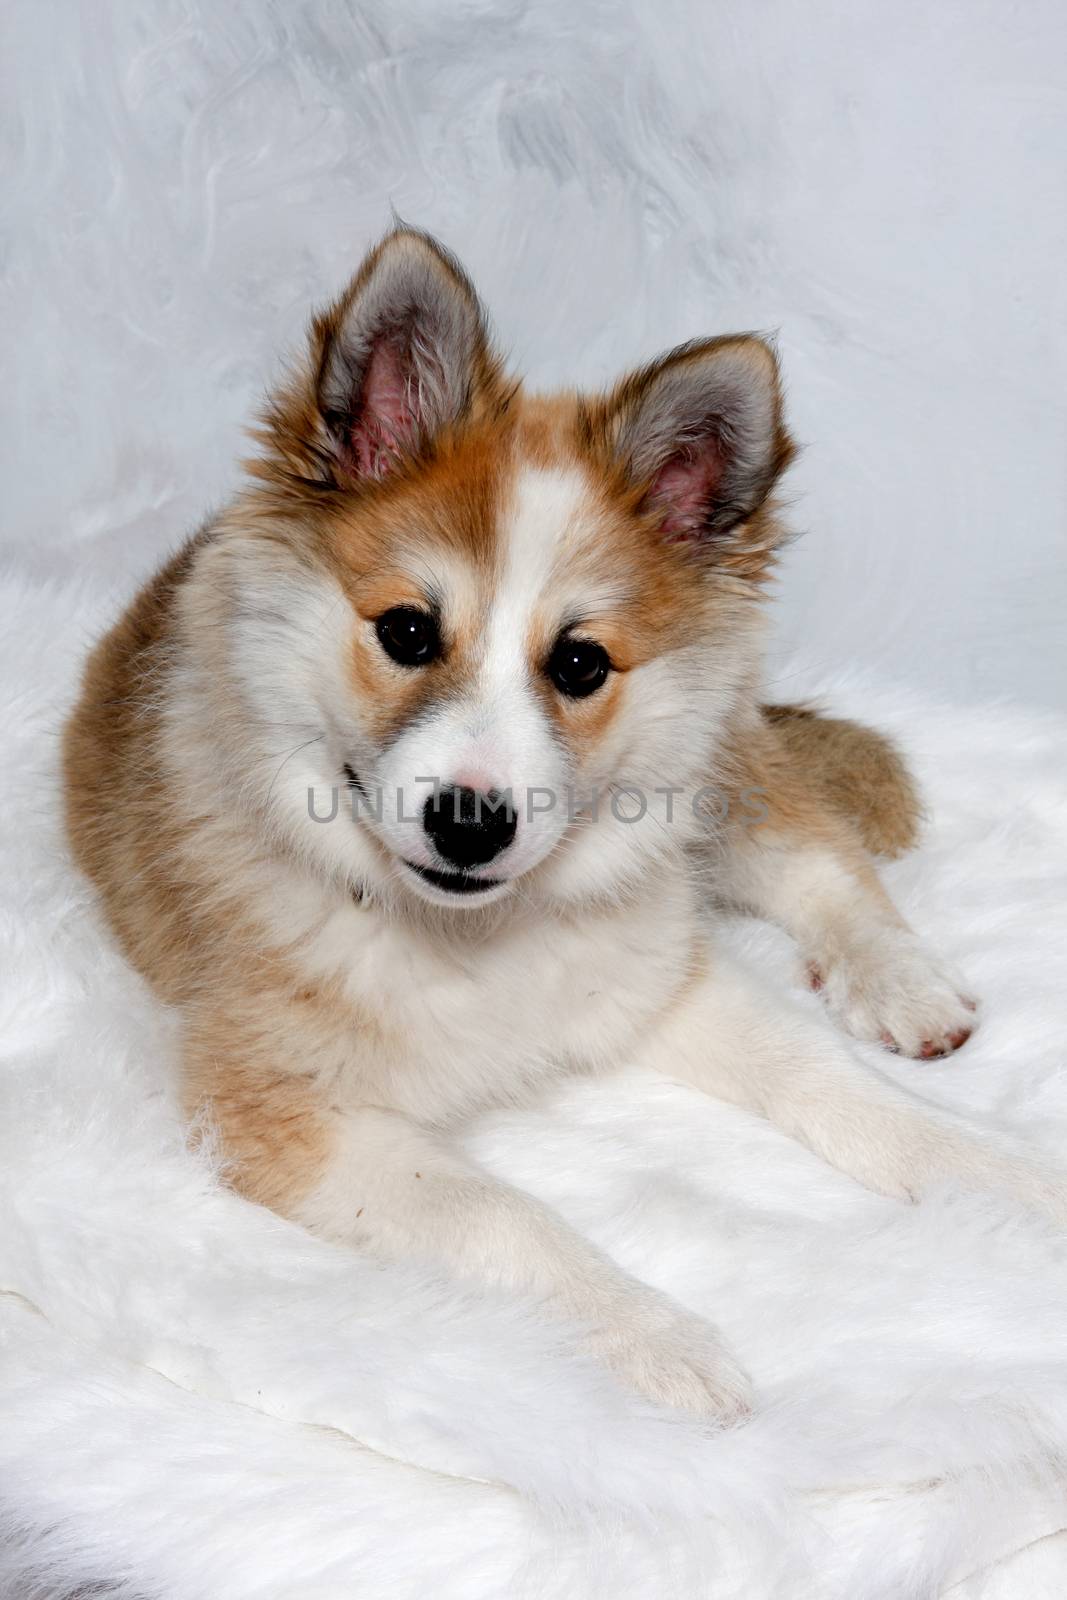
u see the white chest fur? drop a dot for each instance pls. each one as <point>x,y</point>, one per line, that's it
<point>443,1025</point>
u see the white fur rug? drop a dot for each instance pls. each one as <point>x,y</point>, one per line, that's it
<point>199,1401</point>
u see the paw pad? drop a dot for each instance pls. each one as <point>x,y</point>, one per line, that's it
<point>935,1050</point>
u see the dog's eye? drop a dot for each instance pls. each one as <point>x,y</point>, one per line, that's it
<point>410,636</point>
<point>578,667</point>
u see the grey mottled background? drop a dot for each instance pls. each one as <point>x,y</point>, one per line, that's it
<point>880,184</point>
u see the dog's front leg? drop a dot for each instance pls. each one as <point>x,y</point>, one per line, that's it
<point>880,980</point>
<point>822,794</point>
<point>738,1042</point>
<point>372,1179</point>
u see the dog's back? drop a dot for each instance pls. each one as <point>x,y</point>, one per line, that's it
<point>855,771</point>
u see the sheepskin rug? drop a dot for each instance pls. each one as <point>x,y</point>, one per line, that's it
<point>198,1401</point>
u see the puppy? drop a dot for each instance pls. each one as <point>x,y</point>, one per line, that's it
<point>408,780</point>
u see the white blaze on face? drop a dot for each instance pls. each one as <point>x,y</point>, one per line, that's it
<point>545,510</point>
<point>498,737</point>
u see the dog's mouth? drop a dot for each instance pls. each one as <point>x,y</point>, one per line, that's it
<point>463,884</point>
<point>454,882</point>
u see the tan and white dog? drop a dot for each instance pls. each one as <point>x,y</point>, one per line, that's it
<point>410,778</point>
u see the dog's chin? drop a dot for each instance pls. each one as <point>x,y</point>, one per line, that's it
<point>459,891</point>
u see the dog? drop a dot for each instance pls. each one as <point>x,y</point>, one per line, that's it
<point>412,779</point>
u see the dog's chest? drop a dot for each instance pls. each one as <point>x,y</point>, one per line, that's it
<point>456,1025</point>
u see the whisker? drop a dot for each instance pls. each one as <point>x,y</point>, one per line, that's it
<point>287,758</point>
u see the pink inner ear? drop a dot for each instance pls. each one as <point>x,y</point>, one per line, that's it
<point>684,488</point>
<point>387,419</point>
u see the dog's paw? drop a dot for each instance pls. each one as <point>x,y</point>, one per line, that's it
<point>891,989</point>
<point>676,1360</point>
<point>996,1163</point>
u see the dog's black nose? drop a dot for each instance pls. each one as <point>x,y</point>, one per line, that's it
<point>469,828</point>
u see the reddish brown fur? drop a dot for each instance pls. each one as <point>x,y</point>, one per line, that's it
<point>858,773</point>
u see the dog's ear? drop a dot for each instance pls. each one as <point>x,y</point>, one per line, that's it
<point>403,354</point>
<point>700,434</point>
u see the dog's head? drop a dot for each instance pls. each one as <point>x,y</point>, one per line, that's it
<point>501,627</point>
